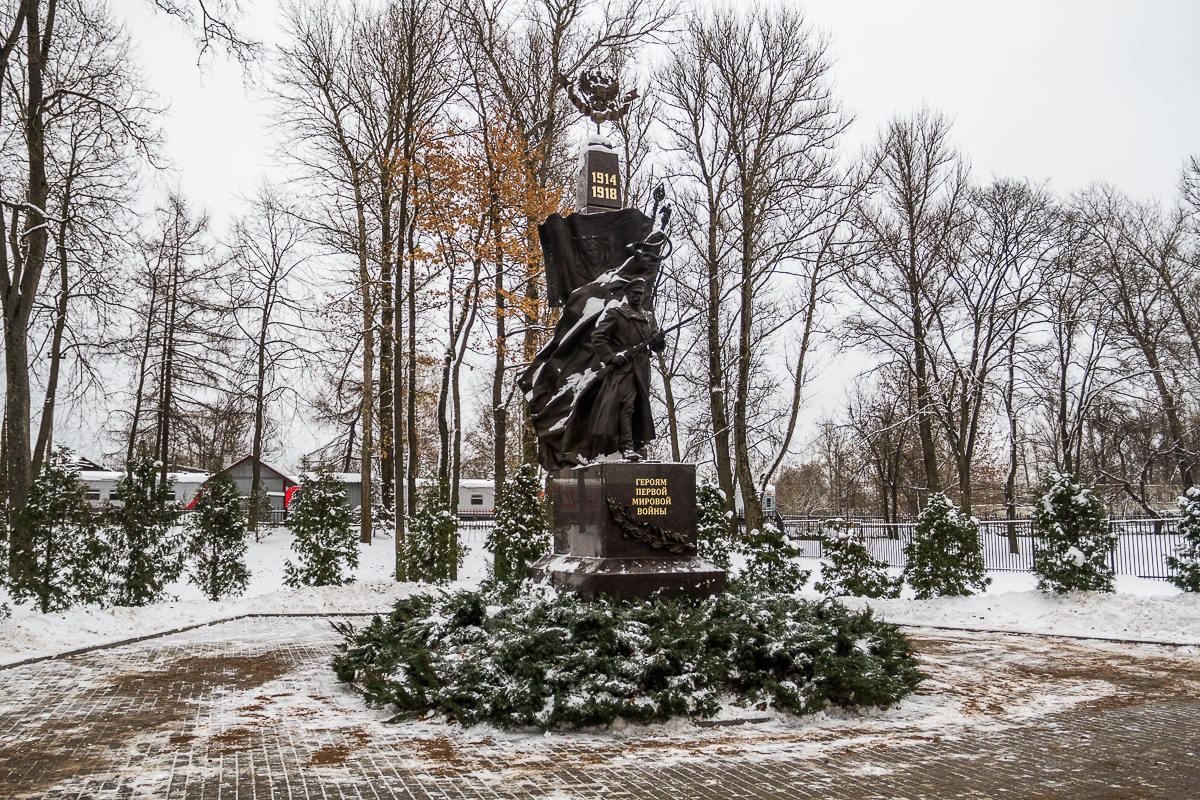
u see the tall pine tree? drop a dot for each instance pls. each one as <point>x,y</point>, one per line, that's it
<point>147,554</point>
<point>433,552</point>
<point>1185,564</point>
<point>712,526</point>
<point>849,567</point>
<point>771,564</point>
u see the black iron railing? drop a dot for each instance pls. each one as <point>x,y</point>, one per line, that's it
<point>1008,545</point>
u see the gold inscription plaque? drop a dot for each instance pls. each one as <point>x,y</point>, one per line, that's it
<point>650,496</point>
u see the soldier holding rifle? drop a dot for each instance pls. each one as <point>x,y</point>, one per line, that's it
<point>621,339</point>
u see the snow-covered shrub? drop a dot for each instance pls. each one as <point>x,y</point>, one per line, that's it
<point>771,564</point>
<point>549,660</point>
<point>849,567</point>
<point>945,556</point>
<point>712,526</point>
<point>69,557</point>
<point>216,531</point>
<point>431,537</point>
<point>147,554</point>
<point>1074,538</point>
<point>520,534</point>
<point>324,538</point>
<point>1185,569</point>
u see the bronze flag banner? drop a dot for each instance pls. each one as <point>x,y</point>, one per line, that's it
<point>579,248</point>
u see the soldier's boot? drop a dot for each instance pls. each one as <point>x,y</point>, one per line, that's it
<point>625,427</point>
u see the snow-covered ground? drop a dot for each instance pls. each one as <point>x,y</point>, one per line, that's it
<point>1141,610</point>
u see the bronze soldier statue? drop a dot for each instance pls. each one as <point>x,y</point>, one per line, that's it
<point>622,407</point>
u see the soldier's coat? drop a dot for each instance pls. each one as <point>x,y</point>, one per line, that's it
<point>620,329</point>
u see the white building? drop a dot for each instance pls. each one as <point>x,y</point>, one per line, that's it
<point>102,486</point>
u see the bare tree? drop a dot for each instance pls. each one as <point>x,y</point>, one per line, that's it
<point>180,341</point>
<point>881,414</point>
<point>99,130</point>
<point>359,89</point>
<point>45,82</point>
<point>1076,367</point>
<point>914,221</point>
<point>753,125</point>
<point>269,313</point>
<point>1131,251</point>
<point>992,288</point>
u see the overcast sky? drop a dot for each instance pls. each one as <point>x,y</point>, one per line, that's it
<point>1070,92</point>
<point>1065,92</point>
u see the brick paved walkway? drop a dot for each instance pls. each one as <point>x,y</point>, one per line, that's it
<point>249,709</point>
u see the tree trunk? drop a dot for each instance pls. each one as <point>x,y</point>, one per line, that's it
<point>131,445</point>
<point>499,412</point>
<point>400,430</point>
<point>1010,482</point>
<point>367,411</point>
<point>529,446</point>
<point>745,474</point>
<point>387,342</point>
<point>260,385</point>
<point>716,373</point>
<point>166,377</point>
<point>46,424</point>
<point>924,396</point>
<point>414,452</point>
<point>19,290</point>
<point>672,416</point>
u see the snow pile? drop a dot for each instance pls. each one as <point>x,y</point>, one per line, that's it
<point>1164,619</point>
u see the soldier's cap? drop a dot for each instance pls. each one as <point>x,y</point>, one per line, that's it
<point>636,283</point>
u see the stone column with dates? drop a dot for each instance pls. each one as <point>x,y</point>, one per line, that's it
<point>598,185</point>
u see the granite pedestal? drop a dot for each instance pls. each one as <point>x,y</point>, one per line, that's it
<point>627,529</point>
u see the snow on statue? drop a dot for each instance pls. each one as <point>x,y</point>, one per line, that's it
<point>588,389</point>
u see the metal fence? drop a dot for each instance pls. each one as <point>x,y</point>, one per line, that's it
<point>1008,545</point>
<point>475,520</point>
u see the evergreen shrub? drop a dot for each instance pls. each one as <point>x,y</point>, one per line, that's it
<point>770,562</point>
<point>547,660</point>
<point>1185,565</point>
<point>945,556</point>
<point>147,554</point>
<point>70,557</point>
<point>520,534</point>
<point>323,536</point>
<point>1074,538</point>
<point>712,526</point>
<point>431,545</point>
<point>849,567</point>
<point>217,529</point>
